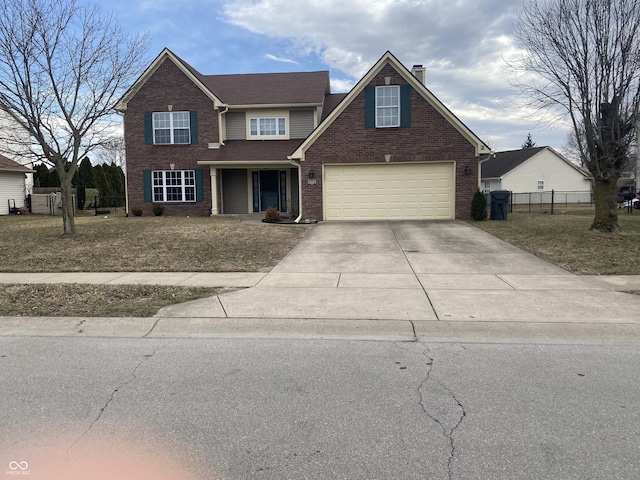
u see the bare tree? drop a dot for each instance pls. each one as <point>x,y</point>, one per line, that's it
<point>112,151</point>
<point>63,65</point>
<point>582,60</point>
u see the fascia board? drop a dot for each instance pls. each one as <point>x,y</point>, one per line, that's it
<point>121,106</point>
<point>242,163</point>
<point>388,57</point>
<point>273,105</point>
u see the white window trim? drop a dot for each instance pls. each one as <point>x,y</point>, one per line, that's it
<point>172,128</point>
<point>380,107</point>
<point>541,185</point>
<point>183,186</point>
<point>278,118</point>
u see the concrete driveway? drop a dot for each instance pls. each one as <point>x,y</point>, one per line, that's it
<point>418,272</point>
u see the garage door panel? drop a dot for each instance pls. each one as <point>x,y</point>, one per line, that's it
<point>389,191</point>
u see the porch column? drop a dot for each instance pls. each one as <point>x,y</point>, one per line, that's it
<point>214,190</point>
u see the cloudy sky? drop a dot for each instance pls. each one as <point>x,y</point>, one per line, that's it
<point>462,43</point>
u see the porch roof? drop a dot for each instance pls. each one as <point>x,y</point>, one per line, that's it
<point>251,151</point>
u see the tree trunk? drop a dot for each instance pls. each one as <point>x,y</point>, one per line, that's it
<point>68,219</point>
<point>606,201</point>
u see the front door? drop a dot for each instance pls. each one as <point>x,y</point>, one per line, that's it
<point>269,190</point>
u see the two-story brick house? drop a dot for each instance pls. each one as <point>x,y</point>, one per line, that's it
<point>233,144</point>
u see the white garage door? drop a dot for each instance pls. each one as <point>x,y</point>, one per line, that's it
<point>411,191</point>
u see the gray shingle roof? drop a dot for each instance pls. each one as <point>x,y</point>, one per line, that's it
<point>503,162</point>
<point>266,88</point>
<point>252,151</point>
<point>270,88</point>
<point>7,165</point>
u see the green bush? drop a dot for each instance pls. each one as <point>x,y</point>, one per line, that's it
<point>90,198</point>
<point>272,215</point>
<point>158,209</point>
<point>479,206</point>
<point>136,212</point>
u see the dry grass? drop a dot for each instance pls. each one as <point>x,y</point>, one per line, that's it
<point>64,300</point>
<point>565,240</point>
<point>143,244</point>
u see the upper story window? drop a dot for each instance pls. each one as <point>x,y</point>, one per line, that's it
<point>388,106</point>
<point>171,128</point>
<point>268,127</point>
<point>540,184</point>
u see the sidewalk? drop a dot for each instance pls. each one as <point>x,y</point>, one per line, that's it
<point>618,283</point>
<point>405,281</point>
<point>181,279</point>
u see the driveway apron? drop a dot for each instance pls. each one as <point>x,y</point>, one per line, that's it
<point>418,271</point>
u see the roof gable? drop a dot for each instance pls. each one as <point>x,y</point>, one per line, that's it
<point>389,59</point>
<point>188,70</point>
<point>292,88</point>
<point>503,162</point>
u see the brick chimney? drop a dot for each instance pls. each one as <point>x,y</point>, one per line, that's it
<point>419,72</point>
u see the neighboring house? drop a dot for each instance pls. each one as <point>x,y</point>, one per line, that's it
<point>531,170</point>
<point>234,144</point>
<point>12,184</point>
<point>627,183</point>
<point>14,144</point>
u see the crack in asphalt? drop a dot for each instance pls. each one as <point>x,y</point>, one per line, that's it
<point>132,377</point>
<point>448,427</point>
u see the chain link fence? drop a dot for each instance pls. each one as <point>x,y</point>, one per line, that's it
<point>549,200</point>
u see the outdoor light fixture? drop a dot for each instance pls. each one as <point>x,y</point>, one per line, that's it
<point>467,170</point>
<point>312,174</point>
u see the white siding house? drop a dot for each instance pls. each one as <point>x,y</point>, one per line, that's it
<point>14,145</point>
<point>12,184</point>
<point>535,170</point>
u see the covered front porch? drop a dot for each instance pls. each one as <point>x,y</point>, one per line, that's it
<point>247,177</point>
<point>251,189</point>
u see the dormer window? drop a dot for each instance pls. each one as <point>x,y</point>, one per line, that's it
<point>268,127</point>
<point>388,106</point>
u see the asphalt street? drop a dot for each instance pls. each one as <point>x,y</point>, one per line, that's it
<point>319,409</point>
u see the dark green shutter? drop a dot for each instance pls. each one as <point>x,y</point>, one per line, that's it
<point>146,181</point>
<point>199,186</point>
<point>148,128</point>
<point>370,106</point>
<point>405,105</point>
<point>193,120</point>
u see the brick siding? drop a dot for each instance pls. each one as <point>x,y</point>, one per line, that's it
<point>168,85</point>
<point>430,138</point>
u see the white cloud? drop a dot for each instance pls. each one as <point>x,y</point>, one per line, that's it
<point>463,45</point>
<point>341,85</point>
<point>280,59</point>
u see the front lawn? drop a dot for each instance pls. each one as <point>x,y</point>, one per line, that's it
<point>31,243</point>
<point>564,239</point>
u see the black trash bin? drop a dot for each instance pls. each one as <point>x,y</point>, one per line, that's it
<point>499,204</point>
